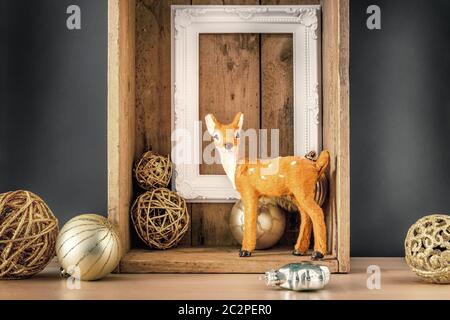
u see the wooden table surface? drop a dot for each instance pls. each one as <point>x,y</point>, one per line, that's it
<point>397,282</point>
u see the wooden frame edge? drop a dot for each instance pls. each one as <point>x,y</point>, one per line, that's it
<point>121,117</point>
<point>137,261</point>
<point>344,132</point>
<point>336,96</point>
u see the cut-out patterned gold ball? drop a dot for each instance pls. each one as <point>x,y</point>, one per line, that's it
<point>427,248</point>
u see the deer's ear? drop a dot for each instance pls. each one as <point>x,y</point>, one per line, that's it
<point>210,124</point>
<point>238,121</point>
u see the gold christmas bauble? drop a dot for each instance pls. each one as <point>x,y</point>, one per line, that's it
<point>270,225</point>
<point>427,248</point>
<point>88,247</point>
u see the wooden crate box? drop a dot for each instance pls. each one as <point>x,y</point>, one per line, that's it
<point>139,119</point>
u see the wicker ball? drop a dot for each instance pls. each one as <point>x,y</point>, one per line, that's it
<point>288,203</point>
<point>153,171</point>
<point>28,231</point>
<point>427,248</point>
<point>160,218</point>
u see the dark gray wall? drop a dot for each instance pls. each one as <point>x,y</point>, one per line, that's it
<point>53,104</point>
<point>400,118</point>
<point>53,113</point>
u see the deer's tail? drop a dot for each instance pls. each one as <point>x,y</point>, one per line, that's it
<point>322,162</point>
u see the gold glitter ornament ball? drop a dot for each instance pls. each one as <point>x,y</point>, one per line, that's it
<point>270,224</point>
<point>427,248</point>
<point>88,247</point>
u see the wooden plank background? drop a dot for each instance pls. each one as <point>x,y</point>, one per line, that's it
<point>251,73</point>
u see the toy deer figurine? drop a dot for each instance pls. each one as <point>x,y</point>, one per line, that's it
<point>295,176</point>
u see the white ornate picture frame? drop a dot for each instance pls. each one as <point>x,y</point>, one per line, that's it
<point>188,22</point>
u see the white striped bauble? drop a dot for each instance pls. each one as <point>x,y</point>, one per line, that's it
<point>88,247</point>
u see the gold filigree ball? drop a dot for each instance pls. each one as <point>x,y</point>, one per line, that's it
<point>427,248</point>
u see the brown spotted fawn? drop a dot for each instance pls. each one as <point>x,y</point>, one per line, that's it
<point>296,176</point>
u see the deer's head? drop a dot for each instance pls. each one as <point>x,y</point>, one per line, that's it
<point>226,137</point>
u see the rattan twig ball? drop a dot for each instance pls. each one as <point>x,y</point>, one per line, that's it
<point>153,171</point>
<point>28,231</point>
<point>427,248</point>
<point>160,218</point>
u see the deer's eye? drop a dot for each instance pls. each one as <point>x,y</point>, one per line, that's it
<point>216,136</point>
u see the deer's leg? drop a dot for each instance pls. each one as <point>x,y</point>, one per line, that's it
<point>304,237</point>
<point>314,211</point>
<point>250,222</point>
